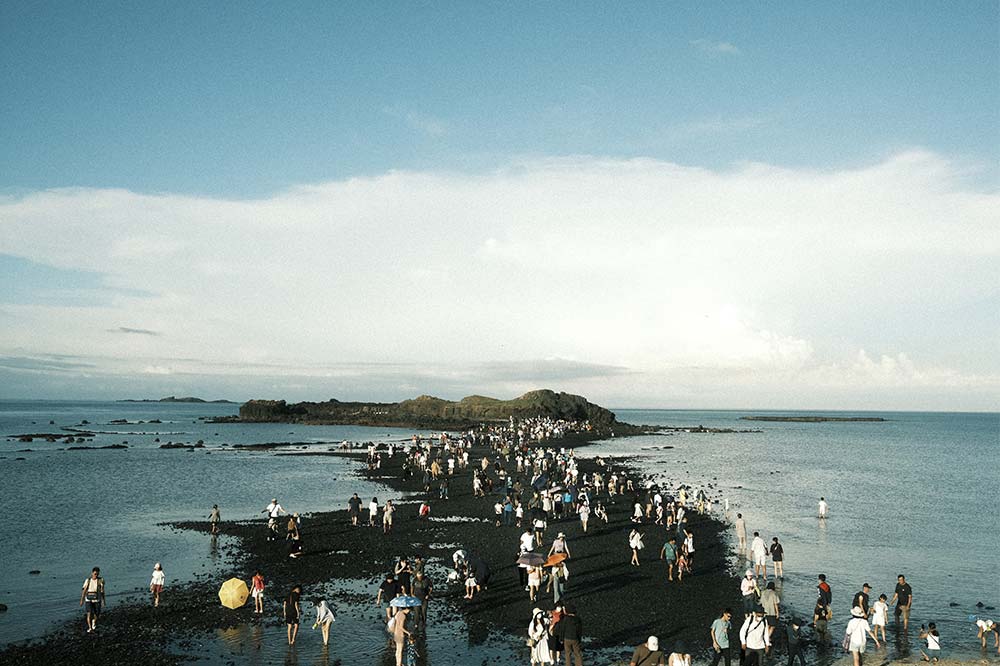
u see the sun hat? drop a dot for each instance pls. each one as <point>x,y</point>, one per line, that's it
<point>857,612</point>
<point>748,573</point>
<point>535,611</point>
<point>561,535</point>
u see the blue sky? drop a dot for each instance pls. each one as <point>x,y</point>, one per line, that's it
<point>706,205</point>
<point>246,99</point>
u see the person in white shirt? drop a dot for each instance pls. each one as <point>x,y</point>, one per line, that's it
<point>273,510</point>
<point>823,507</point>
<point>759,551</point>
<point>156,583</point>
<point>857,633</point>
<point>373,512</point>
<point>748,588</point>
<point>933,638</point>
<point>754,637</point>
<point>324,618</point>
<point>988,627</point>
<point>880,615</point>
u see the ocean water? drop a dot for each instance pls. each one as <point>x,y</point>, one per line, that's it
<point>915,495</point>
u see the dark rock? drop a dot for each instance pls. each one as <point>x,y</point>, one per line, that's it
<point>34,572</point>
<point>3,608</point>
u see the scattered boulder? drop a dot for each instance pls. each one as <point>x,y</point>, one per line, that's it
<point>34,572</point>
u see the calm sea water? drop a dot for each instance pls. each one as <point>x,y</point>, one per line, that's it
<point>916,495</point>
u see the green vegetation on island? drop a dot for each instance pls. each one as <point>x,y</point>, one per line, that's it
<point>432,413</point>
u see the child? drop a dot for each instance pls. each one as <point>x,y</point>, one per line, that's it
<point>880,612</point>
<point>933,638</point>
<point>258,592</point>
<point>471,586</point>
<point>682,565</point>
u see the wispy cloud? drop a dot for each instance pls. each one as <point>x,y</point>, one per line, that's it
<point>421,122</point>
<point>712,46</point>
<point>133,331</point>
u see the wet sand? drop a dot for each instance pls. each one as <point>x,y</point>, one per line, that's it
<point>620,605</point>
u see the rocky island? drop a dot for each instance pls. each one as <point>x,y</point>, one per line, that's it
<point>815,419</point>
<point>435,413</point>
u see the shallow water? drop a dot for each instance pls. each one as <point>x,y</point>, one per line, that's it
<point>907,495</point>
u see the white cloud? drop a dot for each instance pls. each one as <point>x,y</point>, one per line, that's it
<point>680,276</point>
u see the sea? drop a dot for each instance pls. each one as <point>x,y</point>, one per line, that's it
<point>914,494</point>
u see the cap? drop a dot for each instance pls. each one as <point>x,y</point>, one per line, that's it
<point>653,643</point>
<point>857,612</point>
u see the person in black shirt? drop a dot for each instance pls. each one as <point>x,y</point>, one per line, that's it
<point>903,598</point>
<point>387,591</point>
<point>794,632</point>
<point>569,630</point>
<point>292,612</point>
<point>825,592</point>
<point>861,599</point>
<point>354,508</point>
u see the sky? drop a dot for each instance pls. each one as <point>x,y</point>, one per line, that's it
<point>721,205</point>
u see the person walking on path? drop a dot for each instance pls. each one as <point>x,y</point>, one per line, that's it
<point>214,517</point>
<point>777,558</point>
<point>688,548</point>
<point>750,592</point>
<point>719,633</point>
<point>754,637</point>
<point>387,512</point>
<point>648,654</point>
<point>584,512</point>
<point>290,609</point>
<point>759,551</point>
<point>741,535</point>
<point>354,508</point>
<point>570,630</point>
<point>257,592</point>
<point>635,543</point>
<point>559,545</point>
<point>794,634</point>
<point>903,598</point>
<point>93,595</point>
<point>538,638</point>
<point>856,635</point>
<point>373,512</point>
<point>156,583</point>
<point>771,602</point>
<point>669,553</point>
<point>421,588</point>
<point>324,618</point>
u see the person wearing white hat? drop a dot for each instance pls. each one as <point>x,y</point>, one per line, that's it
<point>648,654</point>
<point>538,638</point>
<point>856,635</point>
<point>749,590</point>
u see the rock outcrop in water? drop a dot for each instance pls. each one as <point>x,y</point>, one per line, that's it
<point>430,412</point>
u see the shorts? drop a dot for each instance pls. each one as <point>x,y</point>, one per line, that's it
<point>93,606</point>
<point>256,593</point>
<point>291,618</point>
<point>749,601</point>
<point>759,560</point>
<point>904,611</point>
<point>771,620</point>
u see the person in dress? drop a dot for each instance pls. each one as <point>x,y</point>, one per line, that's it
<point>156,583</point>
<point>538,638</point>
<point>857,633</point>
<point>635,543</point>
<point>880,616</point>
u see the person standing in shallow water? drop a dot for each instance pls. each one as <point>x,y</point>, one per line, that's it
<point>214,517</point>
<point>93,595</point>
<point>292,611</point>
<point>257,592</point>
<point>824,508</point>
<point>903,598</point>
<point>741,535</point>
<point>778,558</point>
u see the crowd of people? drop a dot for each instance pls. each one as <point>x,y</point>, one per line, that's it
<point>525,480</point>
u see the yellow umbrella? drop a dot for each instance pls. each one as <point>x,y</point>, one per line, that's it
<point>233,593</point>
